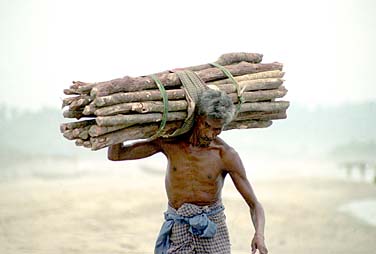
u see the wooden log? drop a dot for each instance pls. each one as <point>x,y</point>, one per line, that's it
<point>247,124</point>
<point>79,142</point>
<point>81,132</point>
<point>131,133</point>
<point>84,133</point>
<point>70,92</point>
<point>146,131</point>
<point>176,94</point>
<point>261,95</point>
<point>77,84</point>
<point>138,118</point>
<point>74,114</point>
<point>259,75</point>
<point>129,84</point>
<point>181,115</point>
<point>69,100</point>
<point>89,109</point>
<point>80,102</point>
<point>265,106</point>
<point>147,95</point>
<point>175,106</point>
<point>257,115</point>
<point>68,134</point>
<point>96,130</point>
<point>230,58</point>
<point>141,107</point>
<point>87,144</point>
<point>74,125</point>
<point>275,116</point>
<point>250,85</point>
<point>225,59</point>
<point>179,105</point>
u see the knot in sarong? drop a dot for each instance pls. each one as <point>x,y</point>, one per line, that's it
<point>199,225</point>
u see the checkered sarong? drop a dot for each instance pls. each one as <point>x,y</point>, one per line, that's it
<point>184,242</point>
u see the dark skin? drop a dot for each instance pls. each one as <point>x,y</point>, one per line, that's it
<point>197,166</point>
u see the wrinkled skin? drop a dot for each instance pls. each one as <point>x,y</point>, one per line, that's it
<point>197,166</point>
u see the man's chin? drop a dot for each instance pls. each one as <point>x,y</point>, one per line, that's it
<point>205,142</point>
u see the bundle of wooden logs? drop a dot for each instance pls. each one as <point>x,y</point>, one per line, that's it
<point>131,108</point>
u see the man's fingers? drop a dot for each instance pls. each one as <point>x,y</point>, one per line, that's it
<point>263,250</point>
<point>253,249</point>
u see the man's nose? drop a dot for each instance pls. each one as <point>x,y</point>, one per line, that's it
<point>213,133</point>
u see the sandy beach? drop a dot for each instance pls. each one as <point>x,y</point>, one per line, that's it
<point>119,209</point>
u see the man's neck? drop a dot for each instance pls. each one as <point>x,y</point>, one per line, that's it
<point>195,141</point>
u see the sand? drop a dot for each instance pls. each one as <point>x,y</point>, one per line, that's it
<point>119,210</point>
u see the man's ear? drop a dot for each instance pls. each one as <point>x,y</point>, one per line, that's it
<point>199,119</point>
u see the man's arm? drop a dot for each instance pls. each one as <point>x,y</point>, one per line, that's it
<point>134,151</point>
<point>238,175</point>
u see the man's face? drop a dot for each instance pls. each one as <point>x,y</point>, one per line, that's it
<point>209,129</point>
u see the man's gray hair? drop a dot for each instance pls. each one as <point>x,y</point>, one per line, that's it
<point>216,104</point>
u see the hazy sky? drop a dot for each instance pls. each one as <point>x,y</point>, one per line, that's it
<point>327,47</point>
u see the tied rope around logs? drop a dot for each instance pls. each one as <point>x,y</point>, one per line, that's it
<point>193,87</point>
<point>165,107</point>
<point>239,91</point>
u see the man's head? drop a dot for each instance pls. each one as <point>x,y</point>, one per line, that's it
<point>214,110</point>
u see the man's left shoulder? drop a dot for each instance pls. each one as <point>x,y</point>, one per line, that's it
<point>225,148</point>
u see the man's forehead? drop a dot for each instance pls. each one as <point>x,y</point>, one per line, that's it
<point>215,122</point>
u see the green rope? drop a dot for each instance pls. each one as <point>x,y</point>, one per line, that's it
<point>238,90</point>
<point>165,106</point>
<point>193,86</point>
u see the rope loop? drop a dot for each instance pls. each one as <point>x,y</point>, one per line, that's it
<point>165,107</point>
<point>239,91</point>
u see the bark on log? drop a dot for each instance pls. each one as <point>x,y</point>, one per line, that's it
<point>89,109</point>
<point>146,131</point>
<point>230,58</point>
<point>96,130</point>
<point>180,105</point>
<point>181,115</point>
<point>131,133</point>
<point>251,85</point>
<point>276,116</point>
<point>74,125</point>
<point>79,87</point>
<point>247,124</point>
<point>69,100</point>
<point>141,107</point>
<point>70,92</point>
<point>74,114</point>
<point>261,95</point>
<point>259,75</point>
<point>138,118</point>
<point>79,142</point>
<point>265,106</point>
<point>68,134</point>
<point>81,133</point>
<point>258,115</point>
<point>80,102</point>
<point>148,95</point>
<point>87,144</point>
<point>129,84</point>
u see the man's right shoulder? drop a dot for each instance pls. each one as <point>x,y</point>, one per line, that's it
<point>166,143</point>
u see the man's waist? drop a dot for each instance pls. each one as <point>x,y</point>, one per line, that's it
<point>192,209</point>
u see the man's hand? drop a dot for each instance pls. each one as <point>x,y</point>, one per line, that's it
<point>258,244</point>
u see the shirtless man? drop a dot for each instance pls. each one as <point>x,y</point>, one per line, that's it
<point>198,163</point>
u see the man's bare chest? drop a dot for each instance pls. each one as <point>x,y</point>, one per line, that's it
<point>206,163</point>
